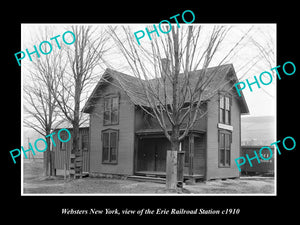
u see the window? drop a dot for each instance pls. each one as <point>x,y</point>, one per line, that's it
<point>111,110</point>
<point>110,146</point>
<point>225,109</point>
<point>84,142</point>
<point>222,110</point>
<point>224,149</point>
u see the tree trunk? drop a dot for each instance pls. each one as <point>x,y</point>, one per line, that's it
<point>171,170</point>
<point>52,168</point>
<point>75,124</point>
<point>50,153</point>
<point>172,166</point>
<point>75,146</point>
<point>75,136</point>
<point>46,168</point>
<point>46,155</point>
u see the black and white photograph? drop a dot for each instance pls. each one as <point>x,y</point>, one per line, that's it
<point>149,109</point>
<point>127,112</point>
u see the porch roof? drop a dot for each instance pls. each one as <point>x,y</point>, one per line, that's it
<point>158,131</point>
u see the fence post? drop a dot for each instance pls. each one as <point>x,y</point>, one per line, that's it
<point>65,170</point>
<point>180,176</point>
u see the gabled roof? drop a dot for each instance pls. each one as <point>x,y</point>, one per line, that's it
<point>134,88</point>
<point>131,84</point>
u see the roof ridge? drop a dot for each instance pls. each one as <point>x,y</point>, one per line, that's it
<point>108,69</point>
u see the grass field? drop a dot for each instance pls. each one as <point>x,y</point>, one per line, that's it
<point>35,183</point>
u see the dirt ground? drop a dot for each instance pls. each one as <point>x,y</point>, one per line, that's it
<point>35,183</point>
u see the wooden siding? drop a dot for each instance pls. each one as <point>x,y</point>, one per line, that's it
<point>126,134</point>
<point>63,156</point>
<point>213,170</point>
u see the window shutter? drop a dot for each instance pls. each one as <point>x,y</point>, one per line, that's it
<point>113,146</point>
<point>105,146</point>
<point>221,103</point>
<point>114,110</point>
<point>222,142</point>
<point>227,103</point>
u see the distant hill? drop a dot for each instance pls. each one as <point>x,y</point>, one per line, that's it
<point>258,130</point>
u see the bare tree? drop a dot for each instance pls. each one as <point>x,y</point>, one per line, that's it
<point>82,58</point>
<point>165,68</point>
<point>40,107</point>
<point>266,54</point>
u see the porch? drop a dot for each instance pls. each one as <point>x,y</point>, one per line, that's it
<point>151,151</point>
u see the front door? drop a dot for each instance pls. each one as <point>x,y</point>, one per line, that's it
<point>152,154</point>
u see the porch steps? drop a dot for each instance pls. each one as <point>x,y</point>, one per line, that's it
<point>147,178</point>
<point>161,178</point>
<point>75,166</point>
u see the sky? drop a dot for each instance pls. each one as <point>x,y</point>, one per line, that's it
<point>261,102</point>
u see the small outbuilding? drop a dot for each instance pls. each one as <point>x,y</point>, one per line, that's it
<point>62,150</point>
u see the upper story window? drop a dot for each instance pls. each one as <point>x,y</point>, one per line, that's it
<point>111,110</point>
<point>225,109</point>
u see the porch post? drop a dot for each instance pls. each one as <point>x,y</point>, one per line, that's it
<point>191,154</point>
<point>137,143</point>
